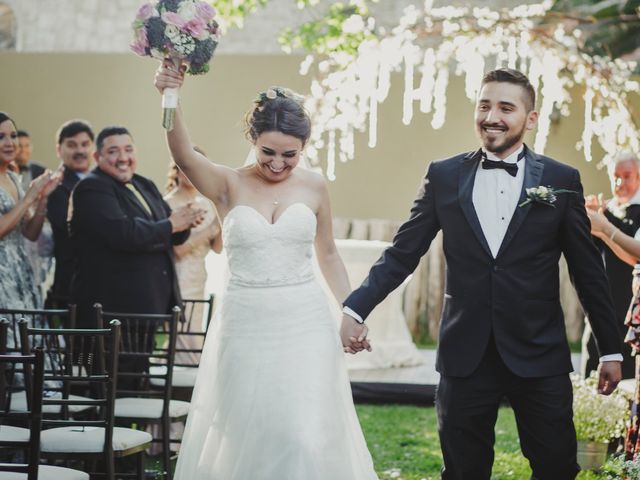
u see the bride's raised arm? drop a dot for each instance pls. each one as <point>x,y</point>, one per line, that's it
<point>210,179</point>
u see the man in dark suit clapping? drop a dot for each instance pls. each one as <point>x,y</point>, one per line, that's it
<point>123,234</point>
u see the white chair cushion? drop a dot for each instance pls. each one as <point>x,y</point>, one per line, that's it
<point>19,403</point>
<point>183,377</point>
<point>91,440</point>
<point>149,408</point>
<point>48,472</point>
<point>9,433</point>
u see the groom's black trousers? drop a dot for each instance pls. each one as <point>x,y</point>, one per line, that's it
<point>467,411</point>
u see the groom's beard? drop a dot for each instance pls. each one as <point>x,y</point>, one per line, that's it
<point>502,143</point>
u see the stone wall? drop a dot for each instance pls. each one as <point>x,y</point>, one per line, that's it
<point>104,25</point>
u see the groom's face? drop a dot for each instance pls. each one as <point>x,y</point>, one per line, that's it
<point>502,117</point>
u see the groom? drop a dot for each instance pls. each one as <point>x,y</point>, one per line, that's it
<point>502,331</point>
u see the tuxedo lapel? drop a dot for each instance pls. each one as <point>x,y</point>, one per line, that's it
<point>466,180</point>
<point>532,175</point>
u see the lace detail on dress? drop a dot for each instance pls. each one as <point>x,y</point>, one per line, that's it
<point>262,254</point>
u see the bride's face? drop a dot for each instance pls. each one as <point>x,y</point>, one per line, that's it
<point>277,155</point>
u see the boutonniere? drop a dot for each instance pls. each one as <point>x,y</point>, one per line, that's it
<point>544,195</point>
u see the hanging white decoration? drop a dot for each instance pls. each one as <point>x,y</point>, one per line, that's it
<point>430,43</point>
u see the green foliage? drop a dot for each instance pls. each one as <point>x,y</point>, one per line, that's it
<point>617,467</point>
<point>328,34</point>
<point>233,12</point>
<point>609,27</point>
<point>403,441</point>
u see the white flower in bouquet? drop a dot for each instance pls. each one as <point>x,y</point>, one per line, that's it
<point>188,10</point>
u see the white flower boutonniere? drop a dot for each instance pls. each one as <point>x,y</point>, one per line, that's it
<point>544,195</point>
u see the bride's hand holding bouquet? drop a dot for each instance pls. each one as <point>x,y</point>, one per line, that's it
<point>181,33</point>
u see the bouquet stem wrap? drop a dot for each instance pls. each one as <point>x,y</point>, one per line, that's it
<point>170,99</point>
<point>169,105</point>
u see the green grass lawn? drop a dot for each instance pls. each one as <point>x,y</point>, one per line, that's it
<point>403,441</point>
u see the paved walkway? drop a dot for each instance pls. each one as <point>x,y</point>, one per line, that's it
<point>424,374</point>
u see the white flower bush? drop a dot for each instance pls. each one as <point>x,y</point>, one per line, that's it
<point>598,418</point>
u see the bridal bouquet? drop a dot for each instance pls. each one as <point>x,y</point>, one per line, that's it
<point>182,30</point>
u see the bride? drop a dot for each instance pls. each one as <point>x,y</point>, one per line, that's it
<point>272,399</point>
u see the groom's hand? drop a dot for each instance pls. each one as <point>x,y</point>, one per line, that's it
<point>609,375</point>
<point>354,335</point>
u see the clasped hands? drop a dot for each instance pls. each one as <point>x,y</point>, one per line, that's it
<point>186,217</point>
<point>354,335</point>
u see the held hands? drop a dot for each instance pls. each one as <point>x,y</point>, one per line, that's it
<point>354,335</point>
<point>609,375</point>
<point>169,76</point>
<point>186,217</point>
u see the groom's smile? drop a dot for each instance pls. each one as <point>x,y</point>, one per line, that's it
<point>502,117</point>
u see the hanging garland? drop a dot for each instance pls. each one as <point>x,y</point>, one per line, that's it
<point>428,44</point>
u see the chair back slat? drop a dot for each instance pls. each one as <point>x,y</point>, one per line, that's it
<point>140,342</point>
<point>87,357</point>
<point>47,318</point>
<point>192,330</point>
<point>32,371</point>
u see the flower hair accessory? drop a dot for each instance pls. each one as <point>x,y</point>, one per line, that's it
<point>543,195</point>
<point>272,93</point>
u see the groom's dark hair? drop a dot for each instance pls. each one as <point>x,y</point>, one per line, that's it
<point>509,75</point>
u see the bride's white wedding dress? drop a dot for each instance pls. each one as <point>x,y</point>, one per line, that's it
<point>272,399</point>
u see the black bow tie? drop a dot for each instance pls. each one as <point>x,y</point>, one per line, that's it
<point>510,168</point>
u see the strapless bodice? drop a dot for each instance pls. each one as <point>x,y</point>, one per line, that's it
<point>263,254</point>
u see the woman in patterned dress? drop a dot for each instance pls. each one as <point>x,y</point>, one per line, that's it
<point>21,216</point>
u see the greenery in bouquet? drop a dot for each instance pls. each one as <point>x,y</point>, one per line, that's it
<point>598,418</point>
<point>184,30</point>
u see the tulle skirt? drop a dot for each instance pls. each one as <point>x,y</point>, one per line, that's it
<point>272,399</point>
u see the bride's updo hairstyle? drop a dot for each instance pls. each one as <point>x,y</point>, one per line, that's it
<point>278,110</point>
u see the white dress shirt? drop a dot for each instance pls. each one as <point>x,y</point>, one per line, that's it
<point>495,198</point>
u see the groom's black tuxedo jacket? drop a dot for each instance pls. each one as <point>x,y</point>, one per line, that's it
<point>124,255</point>
<point>515,296</point>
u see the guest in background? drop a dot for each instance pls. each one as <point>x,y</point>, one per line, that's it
<point>623,213</point>
<point>123,234</point>
<point>39,252</point>
<point>74,148</point>
<point>27,169</point>
<point>190,256</point>
<point>627,248</point>
<point>21,215</point>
